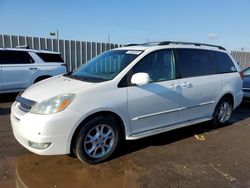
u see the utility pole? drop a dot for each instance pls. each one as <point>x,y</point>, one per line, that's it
<point>109,38</point>
<point>57,36</point>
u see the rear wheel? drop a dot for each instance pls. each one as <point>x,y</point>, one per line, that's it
<point>223,112</point>
<point>97,140</point>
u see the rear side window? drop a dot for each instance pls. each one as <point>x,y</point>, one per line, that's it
<point>194,62</point>
<point>47,57</point>
<point>223,63</point>
<point>15,57</point>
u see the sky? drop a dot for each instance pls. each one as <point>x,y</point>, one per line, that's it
<point>222,22</point>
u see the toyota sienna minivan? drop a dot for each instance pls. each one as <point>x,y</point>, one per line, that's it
<point>127,93</point>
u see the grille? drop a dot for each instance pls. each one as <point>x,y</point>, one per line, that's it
<point>25,104</point>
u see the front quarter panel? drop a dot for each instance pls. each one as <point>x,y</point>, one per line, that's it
<point>99,99</point>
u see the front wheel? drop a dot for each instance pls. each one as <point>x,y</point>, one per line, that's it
<point>97,140</point>
<point>223,112</point>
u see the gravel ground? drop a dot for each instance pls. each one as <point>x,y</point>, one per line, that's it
<point>195,156</point>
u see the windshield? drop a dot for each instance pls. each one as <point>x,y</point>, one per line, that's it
<point>105,66</point>
<point>247,72</point>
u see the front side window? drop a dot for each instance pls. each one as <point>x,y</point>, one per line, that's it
<point>105,66</point>
<point>194,62</point>
<point>15,57</point>
<point>159,65</point>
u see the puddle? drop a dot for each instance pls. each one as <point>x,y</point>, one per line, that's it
<point>62,171</point>
<point>7,171</point>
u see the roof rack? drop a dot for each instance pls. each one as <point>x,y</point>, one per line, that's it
<point>190,43</point>
<point>131,44</point>
<point>23,46</point>
<point>144,44</point>
<point>175,42</point>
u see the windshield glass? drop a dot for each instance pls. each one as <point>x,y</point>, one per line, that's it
<point>247,72</point>
<point>105,66</point>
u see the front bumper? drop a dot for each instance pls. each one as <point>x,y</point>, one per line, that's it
<point>55,129</point>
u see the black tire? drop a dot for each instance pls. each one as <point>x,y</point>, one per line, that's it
<point>81,144</point>
<point>71,155</point>
<point>216,116</point>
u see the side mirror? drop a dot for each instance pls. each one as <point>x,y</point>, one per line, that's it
<point>140,79</point>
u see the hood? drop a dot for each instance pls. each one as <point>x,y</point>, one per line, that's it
<point>246,82</point>
<point>52,87</point>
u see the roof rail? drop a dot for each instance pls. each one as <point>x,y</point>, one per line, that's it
<point>131,44</point>
<point>190,43</point>
<point>23,46</point>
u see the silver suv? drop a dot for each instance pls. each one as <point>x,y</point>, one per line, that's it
<point>19,68</point>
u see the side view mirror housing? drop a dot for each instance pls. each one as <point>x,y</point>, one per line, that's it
<point>140,79</point>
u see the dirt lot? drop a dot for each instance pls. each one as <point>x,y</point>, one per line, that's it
<point>196,156</point>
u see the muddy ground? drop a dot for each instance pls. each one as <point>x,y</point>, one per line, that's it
<point>196,156</point>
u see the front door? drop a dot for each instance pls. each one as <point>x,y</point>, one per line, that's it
<point>154,105</point>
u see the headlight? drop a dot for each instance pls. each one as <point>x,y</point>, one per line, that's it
<point>53,105</point>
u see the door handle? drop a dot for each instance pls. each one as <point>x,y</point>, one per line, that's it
<point>33,68</point>
<point>186,84</point>
<point>173,86</point>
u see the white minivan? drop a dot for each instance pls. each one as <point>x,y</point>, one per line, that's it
<point>127,93</point>
<point>20,68</point>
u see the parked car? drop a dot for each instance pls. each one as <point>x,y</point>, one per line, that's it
<point>19,68</point>
<point>127,93</point>
<point>246,83</point>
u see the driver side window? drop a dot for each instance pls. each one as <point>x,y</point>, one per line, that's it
<point>159,65</point>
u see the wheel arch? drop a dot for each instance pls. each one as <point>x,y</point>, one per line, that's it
<point>41,77</point>
<point>106,113</point>
<point>228,95</point>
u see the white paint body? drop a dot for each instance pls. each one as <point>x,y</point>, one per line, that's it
<point>145,110</point>
<point>17,77</point>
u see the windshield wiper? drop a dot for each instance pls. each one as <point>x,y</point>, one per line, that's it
<point>111,72</point>
<point>74,77</point>
<point>84,78</point>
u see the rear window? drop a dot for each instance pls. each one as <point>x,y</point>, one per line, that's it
<point>47,57</point>
<point>223,63</point>
<point>15,57</point>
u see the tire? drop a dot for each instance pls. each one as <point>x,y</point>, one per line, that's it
<point>97,140</point>
<point>223,112</point>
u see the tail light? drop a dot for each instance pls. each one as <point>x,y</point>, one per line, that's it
<point>241,74</point>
